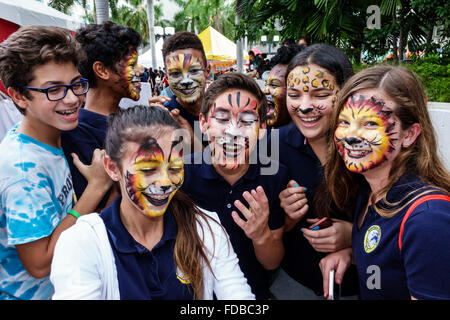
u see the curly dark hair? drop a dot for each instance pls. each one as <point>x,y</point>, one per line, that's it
<point>234,80</point>
<point>285,54</point>
<point>183,40</point>
<point>106,42</point>
<point>31,47</point>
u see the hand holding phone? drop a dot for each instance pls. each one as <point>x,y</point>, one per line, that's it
<point>321,224</point>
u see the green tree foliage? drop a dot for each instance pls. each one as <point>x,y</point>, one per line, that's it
<point>404,23</point>
<point>197,15</point>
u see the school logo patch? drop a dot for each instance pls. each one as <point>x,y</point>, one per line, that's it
<point>372,238</point>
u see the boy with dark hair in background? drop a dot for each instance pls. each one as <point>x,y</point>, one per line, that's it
<point>111,58</point>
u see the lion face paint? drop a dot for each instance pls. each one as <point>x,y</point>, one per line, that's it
<point>311,93</point>
<point>128,78</point>
<point>186,75</point>
<point>233,128</point>
<point>366,134</point>
<point>275,91</point>
<point>152,179</point>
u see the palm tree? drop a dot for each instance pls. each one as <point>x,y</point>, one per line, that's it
<point>102,10</point>
<point>239,57</point>
<point>134,15</point>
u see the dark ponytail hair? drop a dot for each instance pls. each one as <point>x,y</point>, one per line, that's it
<point>137,124</point>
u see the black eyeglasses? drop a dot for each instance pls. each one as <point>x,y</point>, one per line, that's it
<point>59,91</point>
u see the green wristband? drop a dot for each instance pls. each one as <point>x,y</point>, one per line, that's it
<point>74,213</point>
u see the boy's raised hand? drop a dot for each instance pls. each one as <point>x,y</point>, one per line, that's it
<point>95,172</point>
<point>256,227</point>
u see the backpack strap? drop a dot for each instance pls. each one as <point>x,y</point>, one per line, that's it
<point>411,209</point>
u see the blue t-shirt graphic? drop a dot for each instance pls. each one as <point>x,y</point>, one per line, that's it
<point>36,192</point>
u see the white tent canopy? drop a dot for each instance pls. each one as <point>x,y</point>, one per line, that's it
<point>145,59</point>
<point>30,12</point>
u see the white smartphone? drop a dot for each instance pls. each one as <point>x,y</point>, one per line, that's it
<point>331,285</point>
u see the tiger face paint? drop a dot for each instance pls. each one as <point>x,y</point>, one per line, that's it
<point>186,74</point>
<point>128,76</point>
<point>152,179</point>
<point>311,93</point>
<point>367,133</point>
<point>275,91</point>
<point>232,127</point>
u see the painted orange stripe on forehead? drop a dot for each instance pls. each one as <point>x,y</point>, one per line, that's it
<point>149,150</point>
<point>363,105</point>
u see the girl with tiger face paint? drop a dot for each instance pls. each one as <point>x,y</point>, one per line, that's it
<point>232,127</point>
<point>311,93</point>
<point>153,176</point>
<point>367,134</point>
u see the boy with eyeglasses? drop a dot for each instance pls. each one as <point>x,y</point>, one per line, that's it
<point>38,66</point>
<point>111,58</point>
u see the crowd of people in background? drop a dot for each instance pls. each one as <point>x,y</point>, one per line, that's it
<point>218,188</point>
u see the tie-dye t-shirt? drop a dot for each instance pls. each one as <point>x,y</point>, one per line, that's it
<point>35,195</point>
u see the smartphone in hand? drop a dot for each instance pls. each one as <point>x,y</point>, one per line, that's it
<point>321,224</point>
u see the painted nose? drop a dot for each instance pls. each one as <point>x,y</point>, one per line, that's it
<point>186,83</point>
<point>305,111</point>
<point>165,188</point>
<point>352,140</point>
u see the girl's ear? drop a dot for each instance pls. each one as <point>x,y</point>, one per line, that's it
<point>411,135</point>
<point>111,168</point>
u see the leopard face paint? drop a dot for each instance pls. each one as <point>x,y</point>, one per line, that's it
<point>311,93</point>
<point>152,179</point>
<point>128,78</point>
<point>186,75</point>
<point>275,91</point>
<point>366,134</point>
<point>233,128</point>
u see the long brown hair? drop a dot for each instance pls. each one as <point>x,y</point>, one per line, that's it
<point>138,124</point>
<point>421,158</point>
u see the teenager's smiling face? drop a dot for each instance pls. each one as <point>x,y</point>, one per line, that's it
<point>368,134</point>
<point>128,79</point>
<point>232,127</point>
<point>54,115</point>
<point>152,173</point>
<point>186,73</point>
<point>311,93</point>
<point>275,91</point>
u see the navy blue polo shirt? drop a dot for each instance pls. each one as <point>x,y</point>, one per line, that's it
<point>83,140</point>
<point>193,120</point>
<point>143,274</point>
<point>421,268</point>
<point>211,191</point>
<point>301,261</point>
